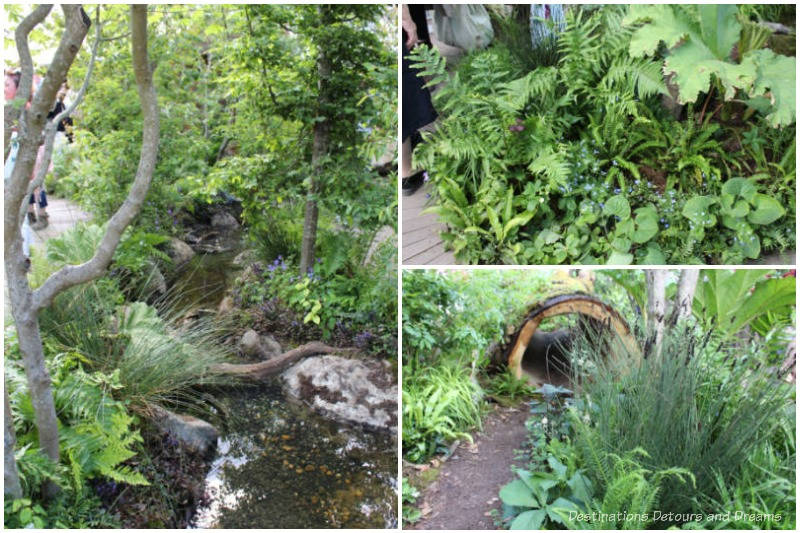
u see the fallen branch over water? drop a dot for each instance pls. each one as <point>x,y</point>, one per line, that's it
<point>278,364</point>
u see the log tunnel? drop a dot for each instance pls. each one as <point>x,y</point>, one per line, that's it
<point>539,356</point>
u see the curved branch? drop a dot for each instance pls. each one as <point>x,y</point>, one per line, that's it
<point>260,371</point>
<point>12,112</point>
<point>72,275</point>
<point>51,129</point>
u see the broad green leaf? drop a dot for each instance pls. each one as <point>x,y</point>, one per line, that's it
<point>581,487</point>
<point>776,77</point>
<point>654,255</point>
<point>530,520</point>
<point>559,510</point>
<point>557,466</point>
<point>646,224</point>
<point>518,494</point>
<point>740,187</point>
<point>720,28</point>
<point>617,206</point>
<point>617,258</point>
<point>698,210</point>
<point>663,24</point>
<point>519,220</point>
<point>766,210</point>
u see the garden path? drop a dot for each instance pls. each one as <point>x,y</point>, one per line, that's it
<point>467,488</point>
<point>421,242</point>
<point>63,215</point>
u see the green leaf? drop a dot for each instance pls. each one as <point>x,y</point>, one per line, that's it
<point>646,224</point>
<point>740,187</point>
<point>530,520</point>
<point>617,258</point>
<point>766,210</point>
<point>581,487</point>
<point>557,466</point>
<point>654,255</point>
<point>559,510</point>
<point>775,77</point>
<point>697,209</point>
<point>663,24</point>
<point>518,494</point>
<point>493,220</point>
<point>720,28</point>
<point>617,206</point>
<point>519,220</point>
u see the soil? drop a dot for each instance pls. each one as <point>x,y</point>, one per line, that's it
<point>467,487</point>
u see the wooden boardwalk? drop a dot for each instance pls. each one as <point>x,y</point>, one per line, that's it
<point>421,242</point>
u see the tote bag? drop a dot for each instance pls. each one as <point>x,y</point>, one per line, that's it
<point>466,26</point>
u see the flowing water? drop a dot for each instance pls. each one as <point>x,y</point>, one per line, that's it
<point>278,464</point>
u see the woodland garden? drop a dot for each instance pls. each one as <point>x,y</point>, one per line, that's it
<point>673,406</point>
<point>632,135</point>
<point>236,163</point>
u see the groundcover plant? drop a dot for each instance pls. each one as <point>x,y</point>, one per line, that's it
<point>642,134</point>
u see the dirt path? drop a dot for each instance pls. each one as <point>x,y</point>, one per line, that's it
<point>468,483</point>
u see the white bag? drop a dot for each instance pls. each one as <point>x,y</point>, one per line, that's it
<point>466,26</point>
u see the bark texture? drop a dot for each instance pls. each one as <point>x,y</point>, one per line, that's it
<point>274,366</point>
<point>318,153</point>
<point>687,283</point>
<point>656,281</point>
<point>25,303</point>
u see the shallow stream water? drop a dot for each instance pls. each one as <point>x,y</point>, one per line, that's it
<point>278,464</point>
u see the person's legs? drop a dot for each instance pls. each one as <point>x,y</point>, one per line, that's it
<point>411,182</point>
<point>42,218</point>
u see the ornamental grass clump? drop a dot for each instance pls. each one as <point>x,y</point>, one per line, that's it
<point>697,405</point>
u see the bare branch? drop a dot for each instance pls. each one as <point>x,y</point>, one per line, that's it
<point>12,112</point>
<point>51,129</point>
<point>72,275</point>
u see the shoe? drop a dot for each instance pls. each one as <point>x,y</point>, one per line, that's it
<point>412,183</point>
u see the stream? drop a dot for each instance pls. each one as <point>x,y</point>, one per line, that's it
<point>278,464</point>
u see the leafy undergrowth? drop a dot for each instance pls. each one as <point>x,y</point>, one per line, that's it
<point>580,162</point>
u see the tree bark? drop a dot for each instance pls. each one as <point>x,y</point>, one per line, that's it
<point>11,484</point>
<point>265,369</point>
<point>319,151</point>
<point>656,308</point>
<point>687,283</point>
<point>26,304</point>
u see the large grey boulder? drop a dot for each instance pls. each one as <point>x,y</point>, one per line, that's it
<point>357,391</point>
<point>195,434</point>
<point>179,251</point>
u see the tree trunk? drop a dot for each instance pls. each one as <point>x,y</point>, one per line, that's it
<point>686,287</point>
<point>656,309</point>
<point>11,484</point>
<point>319,151</point>
<point>25,303</point>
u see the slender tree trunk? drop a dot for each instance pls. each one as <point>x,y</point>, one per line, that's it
<point>686,287</point>
<point>656,308</point>
<point>11,484</point>
<point>319,151</point>
<point>25,303</point>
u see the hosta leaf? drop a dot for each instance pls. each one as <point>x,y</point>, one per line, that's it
<point>740,187</point>
<point>617,258</point>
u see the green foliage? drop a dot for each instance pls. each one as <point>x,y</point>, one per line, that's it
<point>701,40</point>
<point>341,292</point>
<point>728,301</point>
<point>507,387</point>
<point>578,163</point>
<point>410,494</point>
<point>96,432</point>
<point>548,497</point>
<point>699,406</point>
<point>439,405</point>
